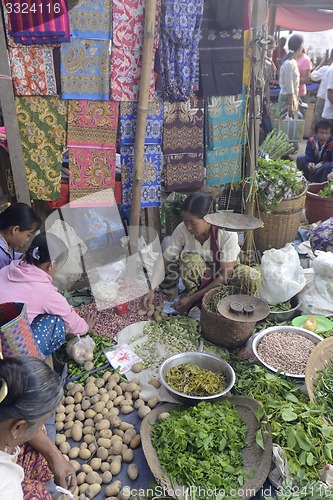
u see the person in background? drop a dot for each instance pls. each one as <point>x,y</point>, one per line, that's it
<point>279,53</point>
<point>29,281</point>
<point>29,393</point>
<point>203,255</point>
<point>289,77</point>
<point>317,162</point>
<point>304,65</point>
<point>328,106</point>
<point>319,74</point>
<point>17,224</point>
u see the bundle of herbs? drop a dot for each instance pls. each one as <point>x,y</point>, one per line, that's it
<point>277,145</point>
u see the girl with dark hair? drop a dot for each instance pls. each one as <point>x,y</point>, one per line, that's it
<point>289,77</point>
<point>29,392</point>
<point>30,281</point>
<point>17,223</point>
<point>204,255</point>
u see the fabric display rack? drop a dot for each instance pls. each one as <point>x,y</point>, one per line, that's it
<point>75,71</point>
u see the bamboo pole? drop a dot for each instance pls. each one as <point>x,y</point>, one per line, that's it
<point>147,61</point>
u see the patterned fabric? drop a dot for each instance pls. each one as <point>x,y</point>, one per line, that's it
<point>42,123</point>
<point>49,333</point>
<point>92,134</point>
<point>91,19</point>
<point>32,70</point>
<point>221,47</point>
<point>36,474</point>
<point>192,271</point>
<point>183,144</point>
<point>180,34</point>
<point>126,58</point>
<point>151,182</point>
<point>224,137</point>
<point>322,236</point>
<point>16,337</point>
<point>154,122</point>
<point>46,23</point>
<point>85,69</point>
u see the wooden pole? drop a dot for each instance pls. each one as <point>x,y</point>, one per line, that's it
<point>7,102</point>
<point>271,19</point>
<point>147,61</point>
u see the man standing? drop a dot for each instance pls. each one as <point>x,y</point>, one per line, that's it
<point>328,106</point>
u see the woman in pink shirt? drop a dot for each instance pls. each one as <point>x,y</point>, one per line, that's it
<point>30,281</point>
<point>304,65</point>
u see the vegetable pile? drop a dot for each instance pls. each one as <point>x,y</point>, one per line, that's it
<point>195,381</point>
<point>202,446</point>
<point>324,390</point>
<point>327,191</point>
<point>282,307</point>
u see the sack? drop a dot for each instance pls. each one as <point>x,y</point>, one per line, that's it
<point>16,337</point>
<point>311,300</point>
<point>81,349</point>
<point>293,127</point>
<point>282,273</point>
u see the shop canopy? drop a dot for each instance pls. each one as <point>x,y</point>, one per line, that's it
<point>303,18</point>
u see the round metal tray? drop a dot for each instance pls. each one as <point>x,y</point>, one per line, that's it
<point>233,222</point>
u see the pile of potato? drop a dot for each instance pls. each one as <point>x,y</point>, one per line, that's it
<point>91,416</point>
<point>154,312</point>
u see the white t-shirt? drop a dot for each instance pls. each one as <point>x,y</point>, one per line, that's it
<point>11,476</point>
<point>289,77</point>
<point>328,107</point>
<point>320,75</point>
<point>183,241</point>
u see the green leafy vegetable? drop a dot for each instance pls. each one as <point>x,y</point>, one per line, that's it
<point>195,381</point>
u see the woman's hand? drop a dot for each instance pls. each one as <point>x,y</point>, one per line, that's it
<point>90,318</point>
<point>147,300</point>
<point>61,470</point>
<point>185,304</point>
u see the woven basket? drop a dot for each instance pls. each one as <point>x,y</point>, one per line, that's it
<point>321,354</point>
<point>257,462</point>
<point>222,331</point>
<point>281,225</point>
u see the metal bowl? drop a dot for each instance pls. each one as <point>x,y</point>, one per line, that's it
<point>300,331</point>
<point>286,315</point>
<point>203,360</point>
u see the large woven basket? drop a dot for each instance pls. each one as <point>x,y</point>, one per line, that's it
<point>257,461</point>
<point>222,331</point>
<point>281,225</point>
<point>319,357</point>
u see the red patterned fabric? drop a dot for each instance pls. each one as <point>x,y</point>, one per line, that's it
<point>36,474</point>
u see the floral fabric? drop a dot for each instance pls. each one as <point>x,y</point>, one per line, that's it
<point>42,124</point>
<point>322,236</point>
<point>92,133</point>
<point>180,34</point>
<point>154,122</point>
<point>91,19</point>
<point>36,474</point>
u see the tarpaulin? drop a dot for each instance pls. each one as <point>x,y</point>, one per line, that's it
<point>303,19</point>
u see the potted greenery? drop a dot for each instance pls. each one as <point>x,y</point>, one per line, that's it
<point>319,201</point>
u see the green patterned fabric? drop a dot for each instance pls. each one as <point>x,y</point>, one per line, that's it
<point>192,271</point>
<point>42,123</point>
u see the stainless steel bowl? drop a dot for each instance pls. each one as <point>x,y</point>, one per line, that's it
<point>300,331</point>
<point>203,360</point>
<point>286,315</point>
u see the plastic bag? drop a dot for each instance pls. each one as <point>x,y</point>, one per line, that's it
<point>283,275</point>
<point>317,296</point>
<point>81,349</point>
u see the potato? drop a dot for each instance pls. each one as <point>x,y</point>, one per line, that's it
<point>118,432</point>
<point>60,417</point>
<point>95,399</point>
<point>118,399</point>
<point>85,403</point>
<point>115,467</point>
<point>106,477</point>
<point>102,453</point>
<point>76,466</point>
<point>60,438</point>
<point>129,435</point>
<point>115,421</point>
<point>126,409</point>
<point>84,454</point>
<point>113,489</point>
<point>138,403</point>
<point>157,317</point>
<point>112,394</point>
<point>90,380</point>
<point>79,415</point>
<point>77,397</point>
<point>103,424</point>
<point>141,312</point>
<point>89,422</point>
<point>89,438</point>
<point>128,455</point>
<point>115,439</point>
<point>164,415</point>
<point>60,409</point>
<point>105,433</point>
<point>93,477</point>
<point>137,367</point>
<point>118,390</point>
<point>124,426</point>
<point>83,488</point>
<point>104,467</point>
<point>95,463</point>
<point>105,396</point>
<point>126,402</point>
<point>77,407</point>
<point>135,442</point>
<point>155,383</point>
<point>74,452</point>
<point>86,468</point>
<point>114,411</point>
<point>106,375</point>
<point>70,417</point>
<point>102,391</point>
<point>69,400</point>
<point>90,413</point>
<point>151,311</point>
<point>98,417</point>
<point>128,395</point>
<point>92,448</point>
<point>59,426</point>
<point>133,471</point>
<point>104,411</point>
<point>91,389</point>
<point>143,411</point>
<point>88,430</point>
<point>81,478</point>
<point>88,366</point>
<point>116,448</point>
<point>68,433</point>
<point>70,385</point>
<point>123,386</point>
<point>76,432</point>
<point>125,493</point>
<point>93,490</point>
<point>83,446</point>
<point>110,384</point>
<point>66,457</point>
<point>152,402</point>
<point>104,443</point>
<point>64,448</point>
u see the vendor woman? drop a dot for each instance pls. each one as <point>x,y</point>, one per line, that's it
<point>203,255</point>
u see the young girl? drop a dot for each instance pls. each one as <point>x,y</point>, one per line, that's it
<point>17,223</point>
<point>29,281</point>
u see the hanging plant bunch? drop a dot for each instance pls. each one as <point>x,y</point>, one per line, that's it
<point>327,191</point>
<point>277,180</point>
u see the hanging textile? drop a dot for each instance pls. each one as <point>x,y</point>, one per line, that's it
<point>92,135</point>
<point>126,57</point>
<point>183,144</point>
<point>37,22</point>
<point>151,184</point>
<point>42,123</point>
<point>180,34</point>
<point>91,19</point>
<point>224,137</point>
<point>85,69</point>
<point>32,70</point>
<point>221,47</point>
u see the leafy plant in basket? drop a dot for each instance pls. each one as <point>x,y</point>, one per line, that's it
<point>277,180</point>
<point>327,191</point>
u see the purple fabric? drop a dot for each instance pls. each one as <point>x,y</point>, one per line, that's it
<point>5,257</point>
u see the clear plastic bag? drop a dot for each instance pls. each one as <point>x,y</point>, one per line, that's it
<point>81,349</point>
